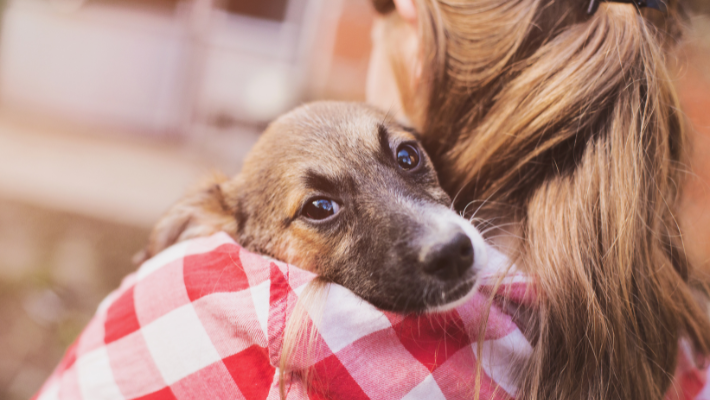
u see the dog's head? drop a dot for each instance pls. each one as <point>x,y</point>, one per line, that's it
<point>341,190</point>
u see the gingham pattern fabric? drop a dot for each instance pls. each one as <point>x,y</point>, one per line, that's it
<point>205,319</point>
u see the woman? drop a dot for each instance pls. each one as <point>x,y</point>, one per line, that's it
<point>556,128</point>
<point>559,127</point>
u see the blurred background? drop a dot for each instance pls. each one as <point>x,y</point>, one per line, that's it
<point>111,109</point>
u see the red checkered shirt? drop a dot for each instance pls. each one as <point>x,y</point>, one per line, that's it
<point>205,319</point>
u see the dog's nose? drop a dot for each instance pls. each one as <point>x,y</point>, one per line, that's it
<point>452,260</point>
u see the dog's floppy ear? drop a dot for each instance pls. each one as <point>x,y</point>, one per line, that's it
<point>202,212</point>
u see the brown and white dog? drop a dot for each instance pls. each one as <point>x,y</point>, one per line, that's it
<point>341,190</point>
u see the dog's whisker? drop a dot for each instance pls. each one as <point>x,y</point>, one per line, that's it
<point>498,227</point>
<point>453,201</point>
<point>482,204</point>
<point>507,235</point>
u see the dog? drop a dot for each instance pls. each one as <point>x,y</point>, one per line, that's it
<point>343,191</point>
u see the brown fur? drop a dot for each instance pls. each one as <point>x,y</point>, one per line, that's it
<point>392,228</point>
<point>202,212</point>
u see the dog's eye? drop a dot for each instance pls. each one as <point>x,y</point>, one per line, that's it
<point>407,157</point>
<point>318,209</point>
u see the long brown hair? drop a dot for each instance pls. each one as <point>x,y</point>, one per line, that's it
<point>567,125</point>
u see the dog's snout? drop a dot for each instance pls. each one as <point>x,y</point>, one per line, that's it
<point>452,259</point>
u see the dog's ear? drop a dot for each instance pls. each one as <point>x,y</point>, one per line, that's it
<point>203,212</point>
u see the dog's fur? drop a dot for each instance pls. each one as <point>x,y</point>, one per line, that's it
<point>395,241</point>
